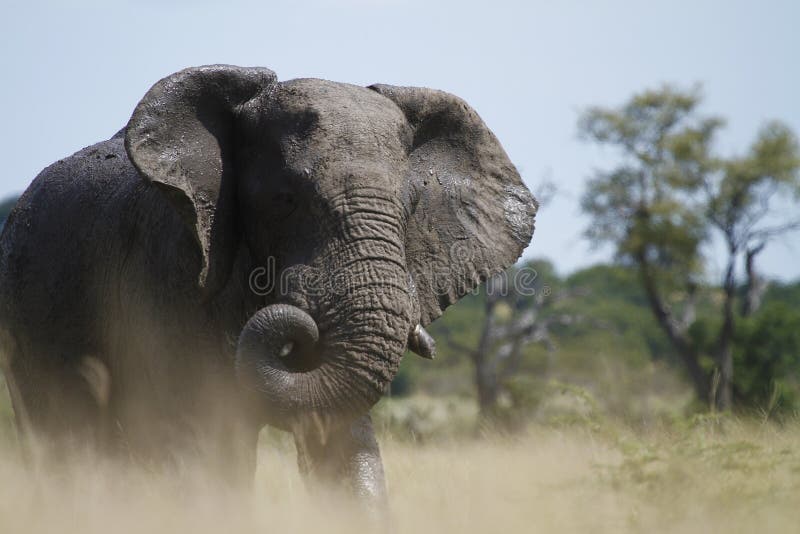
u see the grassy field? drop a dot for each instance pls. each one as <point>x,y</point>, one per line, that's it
<point>707,474</point>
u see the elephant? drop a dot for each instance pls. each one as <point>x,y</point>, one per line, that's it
<point>248,252</point>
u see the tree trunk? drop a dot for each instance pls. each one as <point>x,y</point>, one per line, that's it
<point>677,337</point>
<point>756,285</point>
<point>485,377</point>
<point>487,392</point>
<point>724,391</point>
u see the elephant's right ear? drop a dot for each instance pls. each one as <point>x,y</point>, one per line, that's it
<point>182,137</point>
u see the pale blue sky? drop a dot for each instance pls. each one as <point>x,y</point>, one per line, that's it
<point>73,72</point>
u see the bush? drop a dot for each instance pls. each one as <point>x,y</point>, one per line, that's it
<point>767,360</point>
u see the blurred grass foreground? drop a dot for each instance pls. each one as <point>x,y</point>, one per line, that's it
<point>578,473</point>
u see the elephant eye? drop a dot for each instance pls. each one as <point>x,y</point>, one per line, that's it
<point>283,204</point>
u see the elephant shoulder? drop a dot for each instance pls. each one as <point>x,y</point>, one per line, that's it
<point>102,166</point>
<point>77,183</point>
<point>59,224</point>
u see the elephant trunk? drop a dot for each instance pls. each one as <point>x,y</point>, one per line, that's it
<point>281,355</point>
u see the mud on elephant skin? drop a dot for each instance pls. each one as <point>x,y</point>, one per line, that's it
<point>128,322</point>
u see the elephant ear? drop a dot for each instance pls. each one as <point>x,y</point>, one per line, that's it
<point>472,215</point>
<point>182,137</point>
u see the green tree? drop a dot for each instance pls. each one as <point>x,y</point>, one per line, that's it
<point>667,198</point>
<point>6,205</point>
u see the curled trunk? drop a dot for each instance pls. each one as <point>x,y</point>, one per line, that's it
<point>341,364</point>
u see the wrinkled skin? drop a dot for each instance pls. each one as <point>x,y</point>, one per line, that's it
<point>135,319</point>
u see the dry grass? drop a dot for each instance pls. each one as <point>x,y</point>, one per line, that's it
<point>704,475</point>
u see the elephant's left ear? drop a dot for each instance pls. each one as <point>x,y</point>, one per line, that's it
<point>473,215</point>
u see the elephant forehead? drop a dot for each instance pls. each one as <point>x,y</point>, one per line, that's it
<point>344,113</point>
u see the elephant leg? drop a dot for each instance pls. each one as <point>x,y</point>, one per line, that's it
<point>59,413</point>
<point>346,456</point>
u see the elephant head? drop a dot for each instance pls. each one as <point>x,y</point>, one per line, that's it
<point>399,200</point>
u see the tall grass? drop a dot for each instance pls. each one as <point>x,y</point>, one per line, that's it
<point>704,474</point>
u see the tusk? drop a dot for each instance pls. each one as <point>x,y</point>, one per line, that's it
<point>420,342</point>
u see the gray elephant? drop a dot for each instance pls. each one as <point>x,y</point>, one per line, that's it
<point>248,252</point>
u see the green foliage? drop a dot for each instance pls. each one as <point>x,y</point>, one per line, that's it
<point>740,199</point>
<point>785,292</point>
<point>646,206</point>
<point>669,186</point>
<point>767,359</point>
<point>613,301</point>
